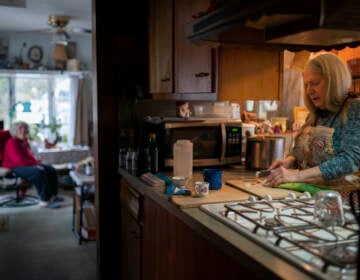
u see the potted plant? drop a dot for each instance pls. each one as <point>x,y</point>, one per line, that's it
<point>53,135</point>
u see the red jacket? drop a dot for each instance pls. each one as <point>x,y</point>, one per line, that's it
<point>18,153</point>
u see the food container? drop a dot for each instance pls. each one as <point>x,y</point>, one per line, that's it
<point>246,129</point>
<point>262,151</point>
<point>183,158</point>
<point>216,110</point>
<point>235,107</point>
<point>280,120</point>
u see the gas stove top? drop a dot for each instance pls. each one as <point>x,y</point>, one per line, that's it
<point>287,228</point>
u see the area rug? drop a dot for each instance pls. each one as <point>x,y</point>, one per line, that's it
<point>4,223</point>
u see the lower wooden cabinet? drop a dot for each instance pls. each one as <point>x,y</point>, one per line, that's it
<point>158,245</point>
<point>172,250</point>
<point>130,233</point>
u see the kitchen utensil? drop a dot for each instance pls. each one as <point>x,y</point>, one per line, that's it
<point>214,177</point>
<point>180,180</point>
<point>328,209</point>
<point>256,188</point>
<point>225,194</point>
<point>262,151</point>
<point>201,188</point>
<point>262,173</point>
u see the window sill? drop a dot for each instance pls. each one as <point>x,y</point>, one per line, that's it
<point>37,73</point>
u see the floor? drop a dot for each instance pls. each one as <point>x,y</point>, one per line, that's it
<point>39,244</point>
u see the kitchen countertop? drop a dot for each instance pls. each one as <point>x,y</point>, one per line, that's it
<point>223,236</point>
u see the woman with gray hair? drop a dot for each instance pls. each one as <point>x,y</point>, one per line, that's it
<point>19,157</point>
<point>327,147</point>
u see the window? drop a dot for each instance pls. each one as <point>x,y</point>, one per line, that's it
<point>38,99</point>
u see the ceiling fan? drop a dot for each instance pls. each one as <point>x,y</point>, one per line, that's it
<point>59,23</point>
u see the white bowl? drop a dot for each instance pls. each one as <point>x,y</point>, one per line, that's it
<point>180,180</point>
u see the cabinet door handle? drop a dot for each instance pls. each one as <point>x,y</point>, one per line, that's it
<point>165,79</point>
<point>202,74</point>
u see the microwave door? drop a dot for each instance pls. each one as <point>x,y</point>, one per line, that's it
<point>207,141</point>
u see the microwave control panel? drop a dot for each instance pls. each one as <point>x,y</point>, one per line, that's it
<point>233,140</point>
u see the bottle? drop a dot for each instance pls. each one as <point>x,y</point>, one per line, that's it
<point>183,158</point>
<point>88,169</point>
<point>154,153</point>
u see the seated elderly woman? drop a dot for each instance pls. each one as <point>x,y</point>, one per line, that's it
<point>19,157</point>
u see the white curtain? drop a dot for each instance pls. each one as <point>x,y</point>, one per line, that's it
<point>293,93</point>
<point>74,87</point>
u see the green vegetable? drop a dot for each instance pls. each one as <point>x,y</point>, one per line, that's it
<point>303,187</point>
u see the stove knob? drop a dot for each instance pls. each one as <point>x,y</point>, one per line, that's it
<point>268,197</point>
<point>252,198</point>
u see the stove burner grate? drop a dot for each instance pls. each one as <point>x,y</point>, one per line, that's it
<point>291,222</point>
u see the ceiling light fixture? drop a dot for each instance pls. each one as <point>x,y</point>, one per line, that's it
<point>59,22</point>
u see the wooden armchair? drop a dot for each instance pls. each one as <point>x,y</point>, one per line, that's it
<point>10,181</point>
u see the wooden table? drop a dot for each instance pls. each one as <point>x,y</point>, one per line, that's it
<point>84,191</point>
<point>82,179</point>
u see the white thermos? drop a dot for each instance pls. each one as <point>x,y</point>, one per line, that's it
<point>183,158</point>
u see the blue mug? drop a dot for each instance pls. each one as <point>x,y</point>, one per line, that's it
<point>214,178</point>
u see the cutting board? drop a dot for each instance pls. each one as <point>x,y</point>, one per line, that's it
<point>225,194</point>
<point>256,188</point>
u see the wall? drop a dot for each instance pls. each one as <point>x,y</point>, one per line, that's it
<point>16,40</point>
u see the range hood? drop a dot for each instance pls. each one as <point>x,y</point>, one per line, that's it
<point>311,25</point>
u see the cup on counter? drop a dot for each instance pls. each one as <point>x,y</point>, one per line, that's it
<point>214,178</point>
<point>328,209</point>
<point>201,188</point>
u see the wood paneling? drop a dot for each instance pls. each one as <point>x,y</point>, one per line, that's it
<point>250,74</point>
<point>171,250</point>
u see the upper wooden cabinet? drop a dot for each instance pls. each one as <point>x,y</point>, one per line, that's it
<point>193,64</point>
<point>250,74</point>
<point>176,65</point>
<point>160,46</point>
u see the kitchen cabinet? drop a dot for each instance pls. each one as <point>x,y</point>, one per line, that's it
<point>172,250</point>
<point>156,244</point>
<point>131,231</point>
<point>250,74</point>
<point>177,66</point>
<point>160,46</point>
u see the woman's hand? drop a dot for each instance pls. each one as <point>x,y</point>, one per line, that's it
<point>281,175</point>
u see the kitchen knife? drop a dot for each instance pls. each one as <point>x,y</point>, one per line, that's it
<point>262,173</point>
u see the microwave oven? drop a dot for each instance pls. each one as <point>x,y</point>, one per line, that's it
<point>215,142</point>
